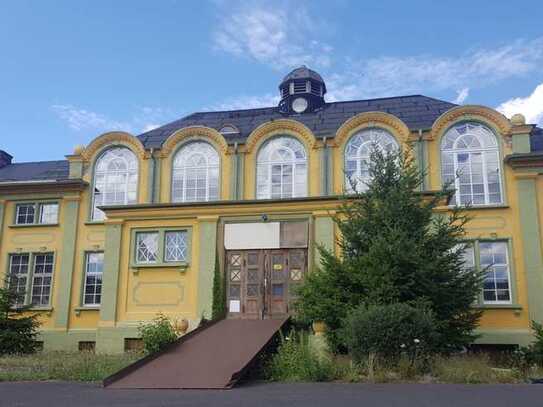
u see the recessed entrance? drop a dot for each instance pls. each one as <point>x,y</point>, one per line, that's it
<point>261,284</point>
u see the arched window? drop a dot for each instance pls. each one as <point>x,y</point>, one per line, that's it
<point>470,161</point>
<point>195,174</point>
<point>281,169</point>
<point>115,179</point>
<point>357,156</point>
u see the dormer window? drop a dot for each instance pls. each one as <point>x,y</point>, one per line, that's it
<point>228,129</point>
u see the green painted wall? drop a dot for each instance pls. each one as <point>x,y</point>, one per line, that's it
<point>531,242</point>
<point>521,143</point>
<point>70,215</point>
<point>324,236</point>
<point>2,211</point>
<point>208,250</point>
<point>110,278</point>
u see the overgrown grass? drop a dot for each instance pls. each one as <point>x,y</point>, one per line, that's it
<point>73,366</point>
<point>297,361</point>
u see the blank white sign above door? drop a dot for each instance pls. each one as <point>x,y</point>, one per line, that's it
<point>244,236</point>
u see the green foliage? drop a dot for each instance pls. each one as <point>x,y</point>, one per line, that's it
<point>79,366</point>
<point>296,361</point>
<point>157,333</point>
<point>18,328</point>
<point>219,293</point>
<point>395,249</point>
<point>532,355</point>
<point>388,331</point>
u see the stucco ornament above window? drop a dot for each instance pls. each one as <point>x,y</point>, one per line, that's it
<point>470,163</point>
<point>281,169</point>
<point>358,156</point>
<point>195,176</point>
<point>115,179</point>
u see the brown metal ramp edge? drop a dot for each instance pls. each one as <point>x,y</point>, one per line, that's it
<point>214,356</point>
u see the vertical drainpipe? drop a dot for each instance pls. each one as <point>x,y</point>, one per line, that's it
<point>420,153</point>
<point>325,185</point>
<point>153,175</point>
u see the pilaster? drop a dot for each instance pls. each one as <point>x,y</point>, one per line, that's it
<point>207,247</point>
<point>69,222</point>
<point>323,234</point>
<point>110,277</point>
<point>531,243</point>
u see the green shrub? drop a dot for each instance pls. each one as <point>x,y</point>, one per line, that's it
<point>388,331</point>
<point>18,329</point>
<point>296,361</point>
<point>532,355</point>
<point>157,333</point>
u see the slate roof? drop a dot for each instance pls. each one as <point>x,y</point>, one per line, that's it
<point>33,171</point>
<point>536,140</point>
<point>416,111</point>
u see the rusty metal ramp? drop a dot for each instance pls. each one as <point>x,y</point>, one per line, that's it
<point>211,357</point>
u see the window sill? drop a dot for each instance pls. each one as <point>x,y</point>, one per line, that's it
<point>94,222</point>
<point>477,207</point>
<point>34,225</point>
<point>78,310</point>
<point>499,306</point>
<point>182,266</point>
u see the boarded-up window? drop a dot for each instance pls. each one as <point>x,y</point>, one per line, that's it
<point>294,234</point>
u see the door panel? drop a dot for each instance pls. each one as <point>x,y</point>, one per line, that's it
<point>262,283</point>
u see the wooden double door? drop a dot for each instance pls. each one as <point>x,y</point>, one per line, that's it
<point>262,283</point>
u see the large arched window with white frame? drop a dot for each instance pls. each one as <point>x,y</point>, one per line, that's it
<point>358,154</point>
<point>195,176</point>
<point>281,169</point>
<point>470,162</point>
<point>115,179</point>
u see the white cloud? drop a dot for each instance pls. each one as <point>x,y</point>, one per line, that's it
<point>82,120</point>
<point>391,76</point>
<point>280,35</point>
<point>530,106</point>
<point>461,96</point>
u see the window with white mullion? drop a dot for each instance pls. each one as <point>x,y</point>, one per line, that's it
<point>494,259</point>
<point>19,276</point>
<point>147,247</point>
<point>42,277</point>
<point>92,290</point>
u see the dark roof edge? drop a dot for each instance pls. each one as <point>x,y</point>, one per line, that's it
<point>430,192</point>
<point>65,185</point>
<point>531,159</point>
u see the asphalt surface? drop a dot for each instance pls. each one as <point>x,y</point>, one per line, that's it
<point>59,394</point>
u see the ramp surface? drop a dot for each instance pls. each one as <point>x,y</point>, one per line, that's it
<point>212,358</point>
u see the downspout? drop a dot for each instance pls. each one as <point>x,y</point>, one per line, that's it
<point>325,188</point>
<point>153,177</point>
<point>420,154</point>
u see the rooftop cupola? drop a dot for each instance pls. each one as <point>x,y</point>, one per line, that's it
<point>302,91</point>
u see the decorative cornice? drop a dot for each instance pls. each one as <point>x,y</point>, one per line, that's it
<point>193,133</point>
<point>372,119</point>
<point>525,160</point>
<point>286,126</point>
<point>72,185</point>
<point>471,112</point>
<point>112,138</point>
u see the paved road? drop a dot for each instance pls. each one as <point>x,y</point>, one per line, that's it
<point>57,394</point>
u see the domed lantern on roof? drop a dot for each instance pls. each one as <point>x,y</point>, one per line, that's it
<point>302,91</point>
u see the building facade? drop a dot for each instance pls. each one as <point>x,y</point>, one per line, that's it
<point>130,226</point>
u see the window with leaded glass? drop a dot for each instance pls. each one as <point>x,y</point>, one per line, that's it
<point>281,169</point>
<point>115,179</point>
<point>195,175</point>
<point>175,246</point>
<point>94,267</point>
<point>146,247</point>
<point>42,277</point>
<point>497,282</point>
<point>358,155</point>
<point>18,276</point>
<point>470,163</point>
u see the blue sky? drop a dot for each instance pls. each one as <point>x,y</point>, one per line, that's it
<point>71,70</point>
